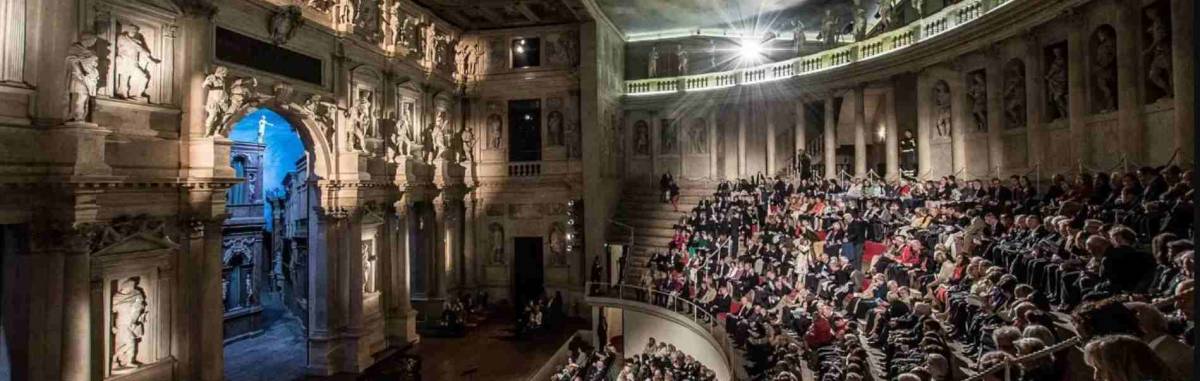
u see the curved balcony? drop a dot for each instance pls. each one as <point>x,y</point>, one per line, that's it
<point>900,39</point>
<point>675,310</point>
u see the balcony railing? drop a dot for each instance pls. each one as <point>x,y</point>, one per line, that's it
<point>681,306</point>
<point>948,18</point>
<point>524,169</point>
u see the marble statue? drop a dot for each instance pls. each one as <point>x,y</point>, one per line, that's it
<point>860,24</point>
<point>712,54</point>
<point>442,145</point>
<point>569,48</point>
<point>558,245</point>
<point>681,56</point>
<point>468,60</point>
<point>941,102</point>
<point>241,94</point>
<point>322,112</point>
<point>367,20</point>
<point>554,128</point>
<point>467,136</point>
<point>495,132</point>
<point>573,138</point>
<point>284,24</point>
<point>128,327</point>
<point>216,96</point>
<point>363,121</point>
<point>1159,51</point>
<point>885,14</point>
<point>262,127</point>
<point>443,47</point>
<point>798,36</point>
<point>919,7</point>
<point>829,28</point>
<point>668,137</point>
<point>84,75</point>
<point>1104,70</point>
<point>132,64</point>
<point>392,24</point>
<point>497,235</point>
<point>1056,83</point>
<point>641,138</point>
<point>977,92</point>
<point>410,34</point>
<point>698,136</point>
<point>343,12</point>
<point>368,267</point>
<point>1014,95</point>
<point>652,61</point>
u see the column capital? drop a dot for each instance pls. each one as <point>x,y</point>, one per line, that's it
<point>198,8</point>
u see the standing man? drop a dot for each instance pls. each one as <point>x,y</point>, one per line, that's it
<point>856,236</point>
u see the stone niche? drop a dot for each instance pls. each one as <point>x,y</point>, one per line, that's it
<point>132,290</point>
<point>136,43</point>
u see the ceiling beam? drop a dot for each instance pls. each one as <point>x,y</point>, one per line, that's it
<point>524,9</point>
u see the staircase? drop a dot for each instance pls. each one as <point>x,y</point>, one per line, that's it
<point>652,220</point>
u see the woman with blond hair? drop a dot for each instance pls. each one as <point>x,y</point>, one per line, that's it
<point>1125,358</point>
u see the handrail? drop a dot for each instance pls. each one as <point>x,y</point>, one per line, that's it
<point>1007,366</point>
<point>948,18</point>
<point>679,305</point>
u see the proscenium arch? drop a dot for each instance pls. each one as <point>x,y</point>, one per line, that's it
<point>316,146</point>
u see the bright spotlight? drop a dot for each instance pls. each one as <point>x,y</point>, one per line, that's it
<point>750,49</point>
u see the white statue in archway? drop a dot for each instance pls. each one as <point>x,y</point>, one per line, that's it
<point>128,324</point>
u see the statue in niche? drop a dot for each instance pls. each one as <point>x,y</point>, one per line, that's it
<point>554,128</point>
<point>443,58</point>
<point>798,36</point>
<point>885,15</point>
<point>1159,51</point>
<point>225,290</point>
<point>365,115</point>
<point>712,54</point>
<point>343,12</point>
<point>368,258</point>
<point>468,144</point>
<point>941,103</point>
<point>443,143</point>
<point>573,138</point>
<point>698,137</point>
<point>216,97</point>
<point>392,24</point>
<point>132,64</point>
<point>641,138</point>
<point>284,24</point>
<point>468,60</point>
<point>652,62</point>
<point>1014,94</point>
<point>618,138</point>
<point>84,71</point>
<point>829,28</point>
<point>977,92</point>
<point>668,137</point>
<point>321,111</point>
<point>409,33</point>
<point>1104,69</point>
<point>919,7</point>
<point>860,23</point>
<point>356,137</point>
<point>497,236</point>
<point>128,324</point>
<point>367,20</point>
<point>495,132</point>
<point>1056,83</point>
<point>682,57</point>
<point>558,245</point>
<point>569,48</point>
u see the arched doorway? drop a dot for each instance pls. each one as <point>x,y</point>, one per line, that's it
<point>265,282</point>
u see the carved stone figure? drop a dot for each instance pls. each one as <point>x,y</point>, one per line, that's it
<point>682,57</point>
<point>798,36</point>
<point>558,245</point>
<point>1104,70</point>
<point>392,24</point>
<point>468,142</point>
<point>573,138</point>
<point>554,128</point>
<point>368,266</point>
<point>941,103</point>
<point>698,136</point>
<point>497,235</point>
<point>132,64</point>
<point>1159,51</point>
<point>284,24</point>
<point>128,325</point>
<point>919,6</point>
<point>641,138</point>
<point>977,92</point>
<point>712,54</point>
<point>443,58</point>
<point>364,121</point>
<point>367,20</point>
<point>829,29</point>
<point>1014,95</point>
<point>668,137</point>
<point>322,112</point>
<point>241,94</point>
<point>468,60</point>
<point>652,61</point>
<point>495,132</point>
<point>84,73</point>
<point>860,24</point>
<point>885,15</point>
<point>569,48</point>
<point>443,145</point>
<point>411,36</point>
<point>216,96</point>
<point>343,12</point>
<point>1056,83</point>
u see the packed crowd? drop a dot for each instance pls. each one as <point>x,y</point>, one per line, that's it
<point>659,361</point>
<point>541,313</point>
<point>811,273</point>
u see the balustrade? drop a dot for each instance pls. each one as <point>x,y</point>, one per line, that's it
<point>524,169</point>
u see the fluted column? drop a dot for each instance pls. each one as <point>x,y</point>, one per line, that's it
<point>995,111</point>
<point>400,318</point>
<point>743,114</point>
<point>1035,102</point>
<point>1183,64</point>
<point>438,261</point>
<point>1077,90</point>
<point>324,291</point>
<point>77,311</point>
<point>1129,96</point>
<point>960,113</point>
<point>860,131</point>
<point>769,106</point>
<point>830,138</point>
<point>713,171</point>
<point>470,255</point>
<point>892,135</point>
<point>800,132</point>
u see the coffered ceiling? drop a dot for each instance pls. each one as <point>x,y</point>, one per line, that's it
<point>496,14</point>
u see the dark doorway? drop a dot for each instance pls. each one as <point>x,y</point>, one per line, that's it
<point>418,221</point>
<point>528,272</point>
<point>525,137</point>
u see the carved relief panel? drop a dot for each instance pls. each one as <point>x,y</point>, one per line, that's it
<point>135,45</point>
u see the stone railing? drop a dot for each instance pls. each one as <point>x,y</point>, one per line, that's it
<point>935,24</point>
<point>244,211</point>
<point>525,169</point>
<point>598,293</point>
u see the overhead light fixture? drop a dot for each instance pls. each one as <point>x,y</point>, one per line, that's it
<point>750,49</point>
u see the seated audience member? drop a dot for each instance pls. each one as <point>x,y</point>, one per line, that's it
<point>1126,358</point>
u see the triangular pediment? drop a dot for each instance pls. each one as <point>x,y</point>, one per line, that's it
<point>137,243</point>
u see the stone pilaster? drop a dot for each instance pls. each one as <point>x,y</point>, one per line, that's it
<point>1129,95</point>
<point>830,138</point>
<point>1183,64</point>
<point>860,130</point>
<point>401,318</point>
<point>55,29</point>
<point>325,318</point>
<point>77,311</point>
<point>891,135</point>
<point>1035,103</point>
<point>924,123</point>
<point>769,107</point>
<point>960,113</point>
<point>800,132</point>
<point>1077,92</point>
<point>742,121</point>
<point>995,110</point>
<point>713,171</point>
